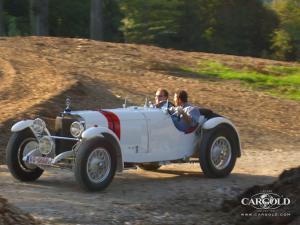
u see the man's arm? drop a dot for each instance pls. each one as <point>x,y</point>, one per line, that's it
<point>187,118</point>
<point>190,116</point>
<point>184,115</point>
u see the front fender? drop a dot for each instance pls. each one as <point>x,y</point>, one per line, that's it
<point>21,125</point>
<point>97,132</point>
<point>108,135</point>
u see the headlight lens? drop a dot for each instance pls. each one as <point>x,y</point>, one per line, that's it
<point>38,126</point>
<point>46,145</point>
<point>76,129</point>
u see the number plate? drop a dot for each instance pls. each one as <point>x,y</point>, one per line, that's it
<point>40,160</point>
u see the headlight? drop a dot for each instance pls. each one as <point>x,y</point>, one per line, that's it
<point>38,126</point>
<point>46,145</point>
<point>76,129</point>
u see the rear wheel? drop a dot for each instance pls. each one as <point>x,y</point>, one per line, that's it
<point>218,157</point>
<point>95,165</point>
<point>150,166</point>
<point>19,145</point>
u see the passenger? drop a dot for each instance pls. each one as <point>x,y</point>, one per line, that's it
<point>161,98</point>
<point>185,116</point>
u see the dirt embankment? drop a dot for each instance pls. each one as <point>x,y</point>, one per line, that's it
<point>38,73</point>
<point>288,184</point>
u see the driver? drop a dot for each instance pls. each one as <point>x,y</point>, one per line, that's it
<point>161,98</point>
<point>187,116</point>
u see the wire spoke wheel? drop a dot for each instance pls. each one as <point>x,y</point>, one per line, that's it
<point>19,145</point>
<point>27,146</point>
<point>98,165</point>
<point>220,153</point>
<point>95,164</point>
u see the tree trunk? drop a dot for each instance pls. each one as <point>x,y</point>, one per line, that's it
<point>2,31</point>
<point>96,20</point>
<point>39,17</point>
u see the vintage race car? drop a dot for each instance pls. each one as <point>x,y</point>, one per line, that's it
<point>97,144</point>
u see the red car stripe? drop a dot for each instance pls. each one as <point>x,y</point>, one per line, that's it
<point>109,120</point>
<point>117,124</point>
<point>113,122</point>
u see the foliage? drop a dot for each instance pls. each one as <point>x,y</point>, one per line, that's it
<point>243,28</point>
<point>253,27</point>
<point>278,80</point>
<point>69,18</point>
<point>288,33</point>
<point>232,26</point>
<point>12,26</point>
<point>112,21</point>
<point>16,17</point>
<point>281,44</point>
<point>150,21</point>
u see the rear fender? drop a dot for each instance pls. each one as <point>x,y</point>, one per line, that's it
<point>212,123</point>
<point>209,126</point>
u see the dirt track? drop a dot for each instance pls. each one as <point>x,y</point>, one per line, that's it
<point>38,73</point>
<point>176,194</point>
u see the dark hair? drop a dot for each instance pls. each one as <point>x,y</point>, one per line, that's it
<point>182,95</point>
<point>164,91</point>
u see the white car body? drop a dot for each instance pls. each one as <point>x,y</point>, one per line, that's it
<point>146,134</point>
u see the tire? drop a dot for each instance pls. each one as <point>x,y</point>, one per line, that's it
<point>150,166</point>
<point>90,155</point>
<point>20,143</point>
<point>212,162</point>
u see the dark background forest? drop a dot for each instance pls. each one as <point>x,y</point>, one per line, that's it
<point>267,29</point>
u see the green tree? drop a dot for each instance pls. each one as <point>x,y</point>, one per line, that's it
<point>197,21</point>
<point>281,44</point>
<point>286,40</point>
<point>112,21</point>
<point>69,18</point>
<point>243,27</point>
<point>16,17</point>
<point>152,21</point>
<point>231,26</point>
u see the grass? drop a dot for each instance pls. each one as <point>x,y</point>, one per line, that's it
<point>281,81</point>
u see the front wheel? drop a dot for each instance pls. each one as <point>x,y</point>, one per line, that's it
<point>95,164</point>
<point>218,155</point>
<point>19,145</point>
